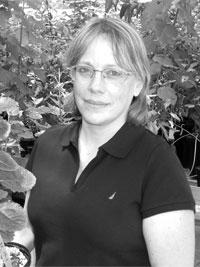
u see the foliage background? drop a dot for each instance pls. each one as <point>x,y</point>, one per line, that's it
<point>35,87</point>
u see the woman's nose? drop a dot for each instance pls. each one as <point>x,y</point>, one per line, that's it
<point>97,83</point>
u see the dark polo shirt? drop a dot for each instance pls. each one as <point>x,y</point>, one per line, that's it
<point>98,220</point>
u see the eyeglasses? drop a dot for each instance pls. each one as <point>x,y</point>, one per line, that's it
<point>110,75</point>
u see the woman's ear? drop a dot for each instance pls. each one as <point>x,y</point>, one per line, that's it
<point>138,87</point>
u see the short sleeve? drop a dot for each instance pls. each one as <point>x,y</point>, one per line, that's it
<point>165,186</point>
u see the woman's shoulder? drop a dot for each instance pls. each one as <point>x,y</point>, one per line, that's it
<point>60,131</point>
<point>151,141</point>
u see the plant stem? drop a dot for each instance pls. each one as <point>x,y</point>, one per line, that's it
<point>176,16</point>
<point>20,45</point>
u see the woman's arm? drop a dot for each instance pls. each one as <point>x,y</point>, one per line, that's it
<point>25,236</point>
<point>170,238</point>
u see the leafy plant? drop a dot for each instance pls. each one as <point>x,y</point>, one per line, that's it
<point>13,178</point>
<point>170,30</point>
<point>35,36</point>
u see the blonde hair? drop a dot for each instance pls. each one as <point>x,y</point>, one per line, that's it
<point>129,52</point>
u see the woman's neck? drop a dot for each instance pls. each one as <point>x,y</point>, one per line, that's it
<point>96,136</point>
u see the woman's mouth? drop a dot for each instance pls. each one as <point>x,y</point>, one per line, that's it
<point>96,103</point>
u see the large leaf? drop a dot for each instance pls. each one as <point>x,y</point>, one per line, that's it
<point>13,47</point>
<point>186,14</point>
<point>123,10</point>
<point>6,76</point>
<point>44,110</point>
<point>4,129</point>
<point>108,5</point>
<point>166,33</point>
<point>150,43</point>
<point>3,194</point>
<point>19,180</point>
<point>9,105</point>
<point>36,4</point>
<point>4,16</point>
<point>7,163</point>
<point>14,5</point>
<point>33,113</point>
<point>40,73</point>
<point>7,235</point>
<point>19,130</point>
<point>155,68</point>
<point>153,10</point>
<point>163,60</point>
<point>26,36</point>
<point>12,218</point>
<point>19,84</point>
<point>167,94</point>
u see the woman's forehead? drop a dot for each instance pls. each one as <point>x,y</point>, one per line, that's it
<point>99,51</point>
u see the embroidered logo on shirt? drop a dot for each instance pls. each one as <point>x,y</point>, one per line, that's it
<point>113,195</point>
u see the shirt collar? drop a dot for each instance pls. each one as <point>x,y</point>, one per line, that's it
<point>119,145</point>
<point>124,140</point>
<point>70,134</point>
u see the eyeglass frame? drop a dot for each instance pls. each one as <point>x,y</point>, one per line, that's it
<point>93,70</point>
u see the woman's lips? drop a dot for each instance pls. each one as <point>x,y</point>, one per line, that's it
<point>95,103</point>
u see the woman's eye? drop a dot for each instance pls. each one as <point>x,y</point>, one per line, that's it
<point>83,70</point>
<point>113,73</point>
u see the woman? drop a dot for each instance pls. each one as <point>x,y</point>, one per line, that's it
<point>109,192</point>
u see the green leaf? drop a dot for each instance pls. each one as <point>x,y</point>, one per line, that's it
<point>115,2</point>
<point>18,130</point>
<point>12,218</point>
<point>33,114</point>
<point>186,15</point>
<point>171,133</point>
<point>175,116</point>
<point>26,134</point>
<point>24,34</point>
<point>3,194</point>
<point>7,235</point>
<point>37,23</point>
<point>19,84</point>
<point>9,105</point>
<point>153,10</point>
<point>163,60</point>
<point>19,180</point>
<point>155,68</point>
<point>4,16</point>
<point>44,110</point>
<point>167,94</point>
<point>7,163</point>
<point>40,73</point>
<point>4,129</point>
<point>13,47</point>
<point>166,33</point>
<point>123,10</point>
<point>108,5</point>
<point>36,4</point>
<point>150,43</point>
<point>54,110</point>
<point>14,5</point>
<point>6,76</point>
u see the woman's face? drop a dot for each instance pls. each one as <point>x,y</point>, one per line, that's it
<point>102,101</point>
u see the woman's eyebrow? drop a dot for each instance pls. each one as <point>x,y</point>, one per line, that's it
<point>104,67</point>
